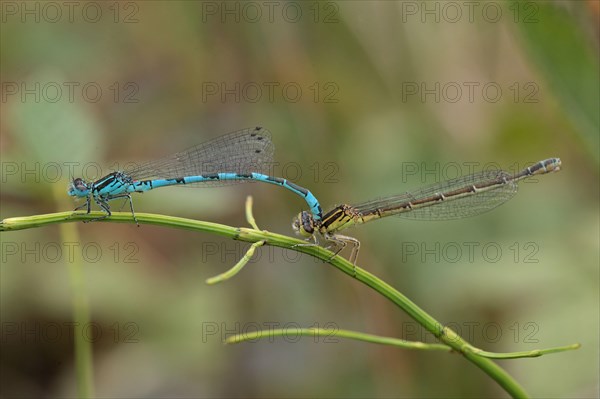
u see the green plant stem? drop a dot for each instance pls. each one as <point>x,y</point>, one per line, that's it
<point>238,266</point>
<point>84,364</point>
<point>81,315</point>
<point>532,353</point>
<point>332,334</point>
<point>444,334</point>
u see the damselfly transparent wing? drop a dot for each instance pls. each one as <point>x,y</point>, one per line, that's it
<point>243,152</point>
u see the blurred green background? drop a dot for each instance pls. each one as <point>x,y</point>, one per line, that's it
<point>364,99</point>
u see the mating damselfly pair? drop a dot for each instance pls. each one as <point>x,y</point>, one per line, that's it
<point>246,156</point>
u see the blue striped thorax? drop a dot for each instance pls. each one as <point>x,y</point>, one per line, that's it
<point>113,184</point>
<point>110,185</point>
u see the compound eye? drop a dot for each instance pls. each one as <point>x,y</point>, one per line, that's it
<point>307,223</point>
<point>79,184</point>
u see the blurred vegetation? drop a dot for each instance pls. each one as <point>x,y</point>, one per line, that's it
<point>354,132</point>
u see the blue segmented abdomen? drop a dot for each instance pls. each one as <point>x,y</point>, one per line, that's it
<point>311,200</point>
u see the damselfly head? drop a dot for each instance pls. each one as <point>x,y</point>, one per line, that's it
<point>78,188</point>
<point>555,165</point>
<point>304,224</point>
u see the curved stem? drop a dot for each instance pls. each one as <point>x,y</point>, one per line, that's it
<point>330,335</point>
<point>238,266</point>
<point>444,334</point>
